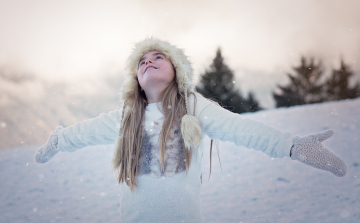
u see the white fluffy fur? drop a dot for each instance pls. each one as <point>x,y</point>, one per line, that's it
<point>191,131</point>
<point>175,55</point>
<point>190,125</point>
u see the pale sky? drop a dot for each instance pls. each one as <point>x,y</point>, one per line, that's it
<point>261,40</point>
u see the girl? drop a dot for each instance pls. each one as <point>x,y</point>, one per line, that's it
<point>159,131</point>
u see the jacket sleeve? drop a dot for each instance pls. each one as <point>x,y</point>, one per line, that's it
<point>219,123</point>
<point>101,130</point>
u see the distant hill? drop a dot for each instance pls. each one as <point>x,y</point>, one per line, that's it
<point>30,109</point>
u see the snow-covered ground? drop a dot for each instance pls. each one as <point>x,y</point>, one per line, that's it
<point>81,187</point>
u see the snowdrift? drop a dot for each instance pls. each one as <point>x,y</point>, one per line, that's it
<point>250,187</point>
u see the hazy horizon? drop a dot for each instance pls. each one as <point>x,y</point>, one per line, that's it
<point>78,40</point>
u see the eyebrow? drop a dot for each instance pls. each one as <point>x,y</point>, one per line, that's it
<point>154,54</point>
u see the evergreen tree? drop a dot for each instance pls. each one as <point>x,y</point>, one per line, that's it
<point>337,86</point>
<point>253,103</point>
<point>303,88</point>
<point>217,83</point>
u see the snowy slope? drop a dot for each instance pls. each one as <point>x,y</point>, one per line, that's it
<point>31,108</point>
<point>80,186</point>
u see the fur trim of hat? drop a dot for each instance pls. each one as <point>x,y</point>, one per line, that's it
<point>190,125</point>
<point>179,60</point>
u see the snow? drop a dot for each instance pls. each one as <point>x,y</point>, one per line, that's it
<point>251,187</point>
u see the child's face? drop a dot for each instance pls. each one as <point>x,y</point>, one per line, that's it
<point>155,71</point>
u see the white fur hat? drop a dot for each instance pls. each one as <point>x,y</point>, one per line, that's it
<point>190,125</point>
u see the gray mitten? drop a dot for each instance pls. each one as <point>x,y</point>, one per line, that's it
<point>312,152</point>
<point>50,149</point>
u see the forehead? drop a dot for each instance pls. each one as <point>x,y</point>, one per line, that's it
<point>151,53</point>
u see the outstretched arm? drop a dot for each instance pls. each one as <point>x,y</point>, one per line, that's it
<point>96,131</point>
<point>219,123</point>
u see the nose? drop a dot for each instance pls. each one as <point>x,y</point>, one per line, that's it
<point>148,61</point>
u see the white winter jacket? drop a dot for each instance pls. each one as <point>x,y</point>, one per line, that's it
<point>172,195</point>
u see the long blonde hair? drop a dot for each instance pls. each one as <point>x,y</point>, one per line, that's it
<point>127,154</point>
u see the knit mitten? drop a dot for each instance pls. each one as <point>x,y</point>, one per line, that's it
<point>312,152</point>
<point>50,149</point>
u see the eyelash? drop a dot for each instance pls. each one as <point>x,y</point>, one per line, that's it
<point>142,62</point>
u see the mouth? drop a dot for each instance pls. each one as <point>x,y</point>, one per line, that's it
<point>151,66</point>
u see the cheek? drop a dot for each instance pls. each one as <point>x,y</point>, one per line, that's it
<point>170,70</point>
<point>139,78</point>
<point>172,76</point>
<point>139,74</point>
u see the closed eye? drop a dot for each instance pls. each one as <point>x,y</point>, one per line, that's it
<point>141,63</point>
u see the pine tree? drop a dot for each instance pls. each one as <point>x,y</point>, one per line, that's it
<point>253,103</point>
<point>303,88</point>
<point>337,86</point>
<point>217,83</point>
